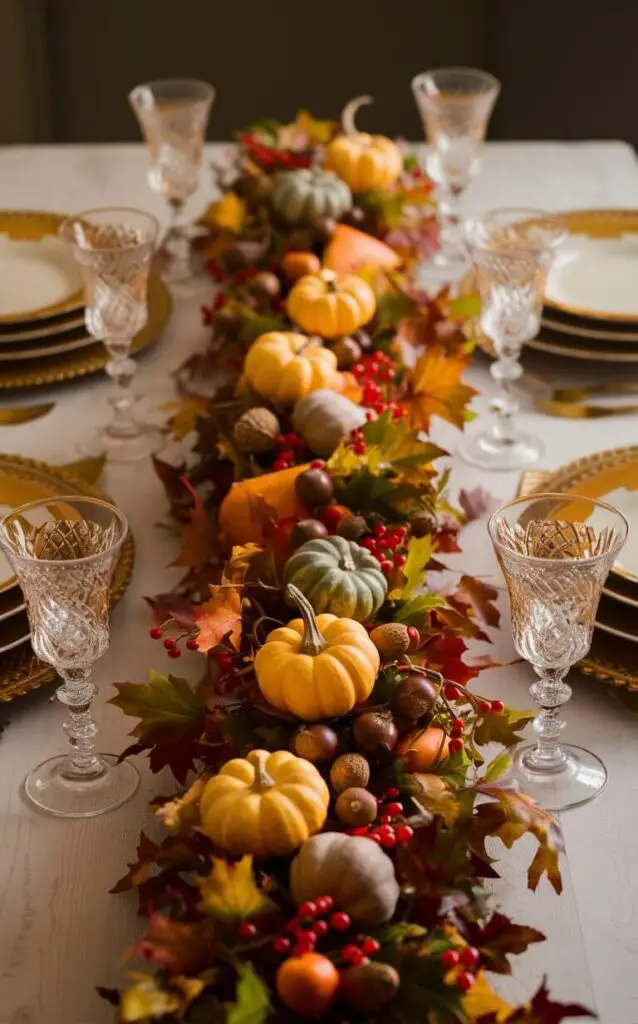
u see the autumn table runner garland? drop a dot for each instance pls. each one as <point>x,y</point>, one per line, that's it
<point>327,857</point>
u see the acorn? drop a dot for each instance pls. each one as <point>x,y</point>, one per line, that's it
<point>355,807</point>
<point>352,527</point>
<point>348,353</point>
<point>369,987</point>
<point>314,487</point>
<point>265,285</point>
<point>391,639</point>
<point>374,731</point>
<point>307,529</point>
<point>349,771</point>
<point>315,743</point>
<point>323,228</point>
<point>413,697</point>
<point>423,523</point>
<point>256,430</point>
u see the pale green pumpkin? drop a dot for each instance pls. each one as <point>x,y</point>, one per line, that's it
<point>309,194</point>
<point>339,577</point>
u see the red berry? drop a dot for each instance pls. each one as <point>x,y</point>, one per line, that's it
<point>386,819</point>
<point>470,957</point>
<point>389,841</point>
<point>317,464</point>
<point>450,958</point>
<point>279,464</point>
<point>380,530</point>
<point>169,643</point>
<point>485,707</point>
<point>340,921</point>
<point>308,909</point>
<point>456,744</point>
<point>352,955</point>
<point>369,543</point>
<point>331,516</point>
<point>375,837</point>
<point>280,439</point>
<point>174,652</point>
<point>191,644</point>
<point>360,830</point>
<point>385,830</point>
<point>387,566</point>
<point>404,833</point>
<point>458,725</point>
<point>320,928</point>
<point>286,456</point>
<point>360,448</point>
<point>155,633</point>
<point>393,791</point>
<point>281,944</point>
<point>324,904</point>
<point>369,416</point>
<point>399,561</point>
<point>498,707</point>
<point>224,659</point>
<point>394,809</point>
<point>305,940</point>
<point>370,947</point>
<point>246,931</point>
<point>465,981</point>
<point>452,693</point>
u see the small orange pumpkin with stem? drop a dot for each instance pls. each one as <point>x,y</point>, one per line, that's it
<point>365,162</point>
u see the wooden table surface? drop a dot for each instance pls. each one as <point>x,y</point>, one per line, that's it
<point>60,932</point>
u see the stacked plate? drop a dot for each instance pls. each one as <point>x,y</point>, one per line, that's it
<point>612,476</point>
<point>23,480</point>
<point>43,338</point>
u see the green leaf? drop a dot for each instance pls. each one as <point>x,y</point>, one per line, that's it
<point>503,728</point>
<point>498,766</point>
<point>391,936</point>
<point>165,702</point>
<point>253,326</point>
<point>413,612</point>
<point>419,554</point>
<point>465,307</point>
<point>252,996</point>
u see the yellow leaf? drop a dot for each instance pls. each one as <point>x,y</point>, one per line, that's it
<point>437,389</point>
<point>145,1001</point>
<point>317,131</point>
<point>413,572</point>
<point>229,212</point>
<point>230,893</point>
<point>181,815</point>
<point>219,617</point>
<point>186,414</point>
<point>465,307</point>
<point>239,562</point>
<point>344,461</point>
<point>481,1000</point>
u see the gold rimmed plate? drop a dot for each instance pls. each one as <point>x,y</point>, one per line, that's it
<point>70,365</point>
<point>617,620</point>
<point>20,670</point>
<point>555,344</point>
<point>73,342</point>
<point>14,632</point>
<point>579,327</point>
<point>39,277</point>
<point>594,274</point>
<point>50,328</point>
<point>620,589</point>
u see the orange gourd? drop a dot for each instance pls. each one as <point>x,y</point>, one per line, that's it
<point>350,249</point>
<point>422,750</point>
<point>239,513</point>
<point>365,162</point>
<point>297,264</point>
<point>331,305</point>
<point>307,984</point>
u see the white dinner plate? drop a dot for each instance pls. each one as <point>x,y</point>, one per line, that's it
<point>35,275</point>
<point>627,501</point>
<point>14,632</point>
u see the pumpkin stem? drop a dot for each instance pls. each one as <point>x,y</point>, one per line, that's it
<point>349,113</point>
<point>346,562</point>
<point>312,641</point>
<point>263,780</point>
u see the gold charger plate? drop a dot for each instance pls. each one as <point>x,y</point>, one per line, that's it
<point>68,366</point>
<point>597,224</point>
<point>612,659</point>
<point>20,670</point>
<point>32,226</point>
<point>602,354</point>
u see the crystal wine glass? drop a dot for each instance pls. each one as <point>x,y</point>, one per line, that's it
<point>555,551</point>
<point>173,114</point>
<point>455,105</point>
<point>114,248</point>
<point>64,551</point>
<point>512,250</point>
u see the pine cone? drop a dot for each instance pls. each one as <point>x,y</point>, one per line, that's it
<point>256,430</point>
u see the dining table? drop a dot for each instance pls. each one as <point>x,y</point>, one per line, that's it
<point>61,932</point>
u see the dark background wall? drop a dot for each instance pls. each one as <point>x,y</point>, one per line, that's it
<point>568,67</point>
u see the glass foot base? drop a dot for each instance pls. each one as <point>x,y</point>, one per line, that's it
<point>48,790</point>
<point>489,452</point>
<point>581,777</point>
<point>124,449</point>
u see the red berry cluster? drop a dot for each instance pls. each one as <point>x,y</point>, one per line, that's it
<point>468,957</point>
<point>387,833</point>
<point>171,644</point>
<point>312,922</point>
<point>373,372</point>
<point>291,449</point>
<point>485,707</point>
<point>269,156</point>
<point>387,546</point>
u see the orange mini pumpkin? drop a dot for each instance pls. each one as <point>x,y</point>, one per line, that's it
<point>365,162</point>
<point>297,264</point>
<point>238,513</point>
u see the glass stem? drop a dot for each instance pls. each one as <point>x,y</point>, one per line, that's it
<point>121,369</point>
<point>549,694</point>
<point>450,221</point>
<point>177,242</point>
<point>77,693</point>
<point>504,406</point>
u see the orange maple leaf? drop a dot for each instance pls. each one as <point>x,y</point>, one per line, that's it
<point>199,534</point>
<point>437,388</point>
<point>219,617</point>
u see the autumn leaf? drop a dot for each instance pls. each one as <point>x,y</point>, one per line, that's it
<point>252,998</point>
<point>186,414</point>
<point>138,870</point>
<point>442,802</point>
<point>413,572</point>
<point>177,947</point>
<point>478,597</point>
<point>199,535</point>
<point>437,389</point>
<point>501,938</point>
<point>315,130</point>
<point>460,623</point>
<point>181,814</point>
<point>172,606</point>
<point>503,728</point>
<point>541,1010</point>
<point>240,561</point>
<point>445,655</point>
<point>229,212</point>
<point>481,999</point>
<point>415,611</point>
<point>508,816</point>
<point>146,1000</point>
<point>219,617</point>
<point>475,503</point>
<point>230,892</point>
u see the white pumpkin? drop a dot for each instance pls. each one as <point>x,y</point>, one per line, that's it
<point>324,417</point>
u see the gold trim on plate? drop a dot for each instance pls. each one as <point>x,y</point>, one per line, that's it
<point>31,226</point>
<point>20,670</point>
<point>59,325</point>
<point>595,334</point>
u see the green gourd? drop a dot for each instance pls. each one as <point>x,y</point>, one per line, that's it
<point>338,576</point>
<point>310,194</point>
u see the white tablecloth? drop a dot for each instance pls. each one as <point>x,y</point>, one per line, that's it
<point>60,931</point>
